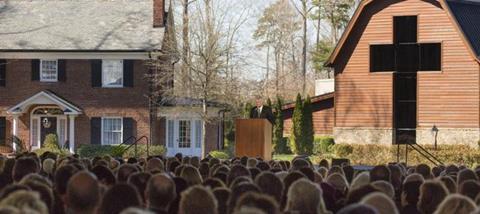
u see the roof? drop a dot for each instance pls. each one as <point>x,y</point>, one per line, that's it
<point>45,97</point>
<point>88,25</point>
<point>314,99</point>
<point>465,15</point>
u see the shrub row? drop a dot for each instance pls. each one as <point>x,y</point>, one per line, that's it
<point>90,151</point>
<point>371,154</point>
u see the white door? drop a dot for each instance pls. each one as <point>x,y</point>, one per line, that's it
<point>184,136</point>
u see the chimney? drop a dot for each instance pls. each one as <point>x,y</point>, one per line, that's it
<point>158,13</point>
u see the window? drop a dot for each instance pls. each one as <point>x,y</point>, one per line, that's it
<point>112,131</point>
<point>48,70</point>
<point>184,136</point>
<point>405,29</point>
<point>198,133</point>
<point>382,58</point>
<point>170,133</point>
<point>35,131</point>
<point>112,73</point>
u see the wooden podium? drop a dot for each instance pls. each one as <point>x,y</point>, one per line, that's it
<point>253,138</point>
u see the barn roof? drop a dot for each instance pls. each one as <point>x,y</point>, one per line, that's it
<point>315,99</point>
<point>78,25</point>
<point>465,14</point>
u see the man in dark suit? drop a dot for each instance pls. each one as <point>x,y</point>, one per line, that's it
<point>261,111</point>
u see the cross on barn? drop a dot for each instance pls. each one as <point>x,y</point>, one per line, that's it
<point>403,67</point>
<point>405,57</point>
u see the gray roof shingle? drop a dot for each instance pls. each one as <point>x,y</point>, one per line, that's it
<point>467,14</point>
<point>78,25</point>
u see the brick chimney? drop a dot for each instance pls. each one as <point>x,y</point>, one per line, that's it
<point>158,13</point>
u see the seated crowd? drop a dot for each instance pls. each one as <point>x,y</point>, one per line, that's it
<point>189,185</point>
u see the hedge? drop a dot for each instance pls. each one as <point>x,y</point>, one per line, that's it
<point>219,154</point>
<point>91,151</point>
<point>372,154</point>
<point>322,145</point>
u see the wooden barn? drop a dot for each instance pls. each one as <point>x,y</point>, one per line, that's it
<point>403,67</point>
<point>323,115</point>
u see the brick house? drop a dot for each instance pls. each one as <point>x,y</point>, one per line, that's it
<point>78,69</point>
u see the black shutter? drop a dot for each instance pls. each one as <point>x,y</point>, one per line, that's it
<point>35,69</point>
<point>128,128</point>
<point>3,130</point>
<point>128,73</point>
<point>62,73</point>
<point>3,73</point>
<point>96,130</point>
<point>96,73</point>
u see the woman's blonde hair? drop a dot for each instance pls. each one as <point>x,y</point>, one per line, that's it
<point>456,203</point>
<point>381,202</point>
<point>305,196</point>
<point>25,201</point>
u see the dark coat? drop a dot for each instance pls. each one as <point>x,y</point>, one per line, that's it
<point>266,113</point>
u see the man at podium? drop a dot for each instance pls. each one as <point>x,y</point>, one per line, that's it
<point>261,111</point>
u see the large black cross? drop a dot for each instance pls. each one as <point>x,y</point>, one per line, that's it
<point>405,58</point>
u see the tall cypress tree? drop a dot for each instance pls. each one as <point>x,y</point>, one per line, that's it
<point>279,143</point>
<point>246,110</point>
<point>269,102</point>
<point>296,137</point>
<point>308,132</point>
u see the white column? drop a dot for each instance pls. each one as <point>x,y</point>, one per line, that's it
<point>15,131</point>
<point>71,135</point>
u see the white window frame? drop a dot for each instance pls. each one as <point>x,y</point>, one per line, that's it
<point>102,131</point>
<point>41,71</point>
<point>121,85</point>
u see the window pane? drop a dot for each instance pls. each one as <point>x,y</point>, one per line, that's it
<point>198,133</point>
<point>34,139</point>
<point>382,58</point>
<point>48,71</point>
<point>112,73</point>
<point>184,134</point>
<point>112,131</point>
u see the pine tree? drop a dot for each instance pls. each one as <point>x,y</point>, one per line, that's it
<point>308,133</point>
<point>279,143</point>
<point>296,137</point>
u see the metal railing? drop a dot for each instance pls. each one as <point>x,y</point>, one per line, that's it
<point>135,144</point>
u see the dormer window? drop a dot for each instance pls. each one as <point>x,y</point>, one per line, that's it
<point>48,70</point>
<point>112,73</point>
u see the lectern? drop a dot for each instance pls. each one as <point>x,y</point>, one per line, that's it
<point>253,138</point>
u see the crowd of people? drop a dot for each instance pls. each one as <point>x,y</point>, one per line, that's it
<point>190,185</point>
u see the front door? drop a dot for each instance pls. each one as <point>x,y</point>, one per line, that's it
<point>48,125</point>
<point>184,136</point>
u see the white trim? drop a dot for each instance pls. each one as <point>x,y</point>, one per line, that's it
<point>41,70</point>
<point>23,106</point>
<point>101,130</point>
<point>71,136</point>
<point>76,55</point>
<point>193,150</point>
